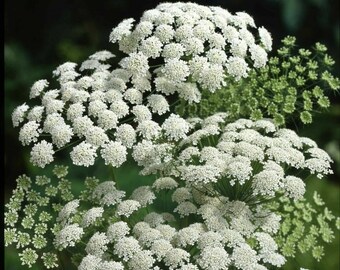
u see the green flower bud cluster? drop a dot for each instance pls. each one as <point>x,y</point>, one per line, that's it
<point>293,84</point>
<point>305,226</point>
<point>31,215</point>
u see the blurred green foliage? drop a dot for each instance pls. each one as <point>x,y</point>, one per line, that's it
<point>39,35</point>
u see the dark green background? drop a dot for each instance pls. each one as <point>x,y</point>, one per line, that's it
<point>39,35</point>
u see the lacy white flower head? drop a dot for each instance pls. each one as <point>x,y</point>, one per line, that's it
<point>193,45</point>
<point>110,232</point>
<point>224,194</point>
<point>93,121</point>
<point>245,153</point>
<point>194,48</point>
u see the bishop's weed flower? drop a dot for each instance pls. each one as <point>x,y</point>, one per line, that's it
<point>184,103</point>
<point>93,103</point>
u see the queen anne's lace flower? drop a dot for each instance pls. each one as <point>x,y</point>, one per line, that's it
<point>126,135</point>
<point>216,171</point>
<point>19,114</point>
<point>175,127</point>
<point>148,129</point>
<point>266,38</point>
<point>164,183</point>
<point>114,154</point>
<point>158,104</point>
<point>141,260</point>
<point>214,258</point>
<point>186,237</point>
<point>176,257</point>
<point>111,265</point>
<point>97,244</point>
<point>126,247</point>
<point>29,132</point>
<point>127,207</point>
<point>83,154</point>
<point>89,262</point>
<point>143,195</point>
<point>232,159</point>
<point>154,219</point>
<point>121,30</point>
<point>237,67</point>
<point>42,154</point>
<point>160,247</point>
<point>117,231</point>
<point>69,209</point>
<point>38,87</point>
<point>294,187</point>
<point>68,236</point>
<point>91,216</point>
<point>185,209</point>
<point>244,257</point>
<point>141,113</point>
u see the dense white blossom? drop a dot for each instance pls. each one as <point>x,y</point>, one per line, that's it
<point>38,87</point>
<point>36,113</point>
<point>143,195</point>
<point>133,95</point>
<point>107,120</point>
<point>19,114</point>
<point>121,30</point>
<point>158,104</point>
<point>110,265</point>
<point>42,154</point>
<point>89,262</point>
<point>97,244</point>
<point>126,135</point>
<point>244,257</point>
<point>154,219</point>
<point>91,216</point>
<point>61,135</point>
<point>186,237</point>
<point>266,38</point>
<point>214,258</point>
<point>114,153</point>
<point>176,257</point>
<point>185,208</point>
<point>83,154</point>
<point>29,132</point>
<point>237,67</point>
<point>126,247</point>
<point>127,207</point>
<point>164,183</point>
<point>160,248</point>
<point>141,113</point>
<point>136,64</point>
<point>141,260</point>
<point>175,127</point>
<point>294,187</point>
<point>117,231</point>
<point>68,236</point>
<point>68,209</point>
<point>148,129</point>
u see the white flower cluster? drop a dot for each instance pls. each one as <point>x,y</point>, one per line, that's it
<point>220,240</point>
<point>197,47</point>
<point>254,154</point>
<point>93,116</point>
<point>92,105</point>
<point>217,173</point>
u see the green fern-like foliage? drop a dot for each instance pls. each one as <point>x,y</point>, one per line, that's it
<point>293,85</point>
<point>31,213</point>
<point>305,226</point>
